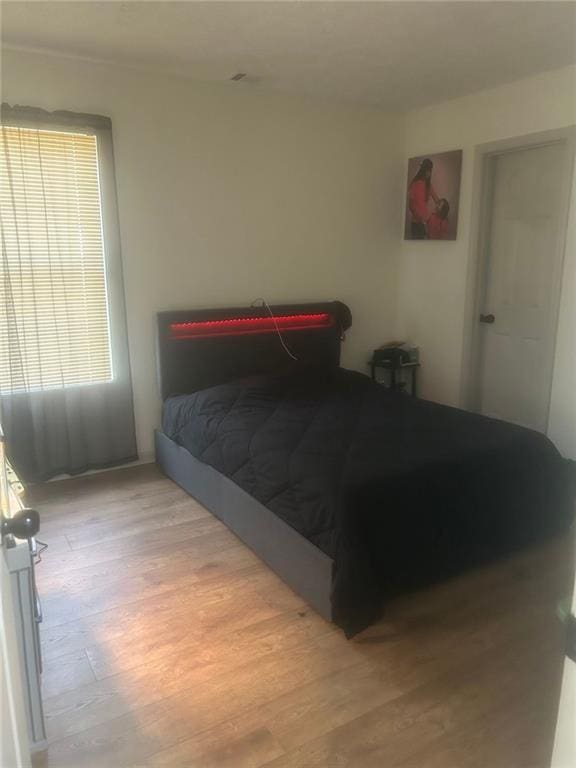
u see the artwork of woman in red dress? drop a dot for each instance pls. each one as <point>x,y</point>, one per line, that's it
<point>433,191</point>
<point>419,193</point>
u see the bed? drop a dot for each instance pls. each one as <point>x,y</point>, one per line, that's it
<point>350,492</point>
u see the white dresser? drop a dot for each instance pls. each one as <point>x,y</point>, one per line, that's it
<point>19,556</point>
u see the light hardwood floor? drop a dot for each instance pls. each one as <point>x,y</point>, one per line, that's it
<point>168,643</point>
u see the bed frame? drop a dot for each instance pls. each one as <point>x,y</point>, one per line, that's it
<point>305,568</point>
<point>202,348</point>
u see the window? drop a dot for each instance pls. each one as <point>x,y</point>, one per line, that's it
<point>54,319</point>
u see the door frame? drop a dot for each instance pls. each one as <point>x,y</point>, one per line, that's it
<point>482,190</point>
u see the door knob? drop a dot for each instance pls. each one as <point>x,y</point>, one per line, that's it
<point>24,525</point>
<point>487,318</point>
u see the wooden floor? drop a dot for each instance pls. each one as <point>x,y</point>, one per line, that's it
<point>167,643</point>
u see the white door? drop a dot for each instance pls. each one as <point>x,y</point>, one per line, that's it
<point>522,278</point>
<point>14,752</point>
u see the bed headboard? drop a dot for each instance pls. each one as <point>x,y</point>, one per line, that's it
<point>201,348</point>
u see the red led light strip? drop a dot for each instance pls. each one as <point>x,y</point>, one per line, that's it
<point>240,326</point>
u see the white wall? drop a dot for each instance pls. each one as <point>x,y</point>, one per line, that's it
<point>433,275</point>
<point>227,194</point>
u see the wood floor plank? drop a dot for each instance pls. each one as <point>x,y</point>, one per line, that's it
<point>81,512</point>
<point>520,737</point>
<point>332,699</point>
<point>70,671</point>
<point>137,522</point>
<point>57,544</point>
<point>222,690</point>
<point>131,482</point>
<point>272,635</point>
<point>215,749</point>
<point>173,645</point>
<point>149,544</point>
<point>222,608</point>
<point>396,729</point>
<point>93,575</point>
<point>159,733</point>
<point>137,586</point>
<point>403,661</point>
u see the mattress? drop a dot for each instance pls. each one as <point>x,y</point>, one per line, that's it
<point>399,492</point>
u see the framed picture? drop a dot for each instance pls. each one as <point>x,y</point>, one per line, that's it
<point>433,192</point>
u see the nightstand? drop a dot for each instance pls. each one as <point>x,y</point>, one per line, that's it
<point>399,375</point>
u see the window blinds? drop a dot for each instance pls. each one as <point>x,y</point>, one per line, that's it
<point>54,324</point>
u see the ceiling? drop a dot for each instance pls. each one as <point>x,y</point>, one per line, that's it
<point>396,55</point>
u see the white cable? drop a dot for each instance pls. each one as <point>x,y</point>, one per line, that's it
<point>265,304</point>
